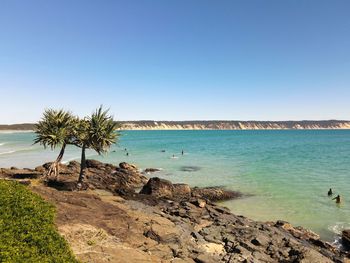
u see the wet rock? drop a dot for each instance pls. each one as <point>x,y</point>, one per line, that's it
<point>158,187</point>
<point>151,170</point>
<point>346,238</point>
<point>190,168</point>
<point>215,193</point>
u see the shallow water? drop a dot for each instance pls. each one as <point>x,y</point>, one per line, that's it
<point>284,174</point>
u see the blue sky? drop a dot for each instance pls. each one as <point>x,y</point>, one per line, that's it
<point>176,60</point>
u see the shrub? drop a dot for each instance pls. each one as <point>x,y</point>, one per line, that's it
<point>27,230</point>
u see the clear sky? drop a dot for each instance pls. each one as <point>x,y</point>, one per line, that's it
<point>176,59</point>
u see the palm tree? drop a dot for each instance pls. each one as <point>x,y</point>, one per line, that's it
<point>95,132</point>
<point>55,129</point>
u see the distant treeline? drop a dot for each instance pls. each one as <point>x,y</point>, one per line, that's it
<point>215,124</point>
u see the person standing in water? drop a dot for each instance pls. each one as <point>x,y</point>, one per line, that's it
<point>337,199</point>
<point>182,152</point>
<point>330,192</point>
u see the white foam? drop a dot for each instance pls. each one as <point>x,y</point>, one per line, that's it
<point>8,152</point>
<point>15,151</point>
<point>2,143</point>
<point>338,227</point>
<point>15,131</point>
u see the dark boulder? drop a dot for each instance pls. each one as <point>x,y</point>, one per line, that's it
<point>158,187</point>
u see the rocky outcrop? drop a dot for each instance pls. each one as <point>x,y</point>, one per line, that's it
<point>176,231</point>
<point>122,179</point>
<point>158,187</point>
<point>105,225</point>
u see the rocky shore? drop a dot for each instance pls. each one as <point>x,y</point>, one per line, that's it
<point>123,216</point>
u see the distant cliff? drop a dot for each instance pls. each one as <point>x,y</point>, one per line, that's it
<point>234,125</point>
<point>17,127</point>
<point>215,125</point>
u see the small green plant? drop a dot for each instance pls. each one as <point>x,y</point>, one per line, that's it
<point>27,230</point>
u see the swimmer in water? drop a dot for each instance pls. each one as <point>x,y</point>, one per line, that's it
<point>337,199</point>
<point>330,192</point>
<point>127,154</point>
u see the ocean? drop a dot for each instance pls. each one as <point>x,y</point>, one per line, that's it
<point>283,174</point>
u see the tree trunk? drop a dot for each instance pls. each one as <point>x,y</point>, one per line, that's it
<point>58,161</point>
<point>54,167</point>
<point>82,165</point>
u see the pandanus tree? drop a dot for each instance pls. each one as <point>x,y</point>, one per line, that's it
<point>55,129</point>
<point>96,132</point>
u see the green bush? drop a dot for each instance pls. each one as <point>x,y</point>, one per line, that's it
<point>27,230</point>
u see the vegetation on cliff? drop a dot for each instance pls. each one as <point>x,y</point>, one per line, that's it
<point>28,233</point>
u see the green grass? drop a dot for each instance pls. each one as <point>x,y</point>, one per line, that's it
<point>27,230</point>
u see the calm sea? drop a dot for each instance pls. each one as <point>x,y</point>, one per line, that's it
<point>283,174</point>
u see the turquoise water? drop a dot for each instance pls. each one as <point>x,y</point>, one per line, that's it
<point>283,174</point>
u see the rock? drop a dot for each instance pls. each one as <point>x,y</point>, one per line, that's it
<point>158,188</point>
<point>74,166</point>
<point>190,168</point>
<point>25,174</point>
<point>260,240</point>
<point>182,191</point>
<point>127,166</point>
<point>13,168</point>
<point>199,202</point>
<point>215,193</point>
<point>151,170</point>
<point>94,164</point>
<point>40,169</point>
<point>346,238</point>
<point>24,182</point>
<point>203,258</point>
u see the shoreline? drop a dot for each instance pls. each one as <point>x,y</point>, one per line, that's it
<point>208,229</point>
